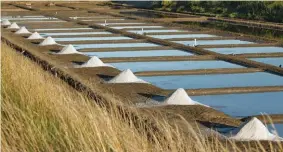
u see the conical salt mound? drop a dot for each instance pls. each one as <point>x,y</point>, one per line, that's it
<point>126,76</point>
<point>13,26</point>
<point>22,30</point>
<point>253,129</point>
<point>34,36</point>
<point>69,49</point>
<point>180,97</point>
<point>6,23</point>
<point>94,62</point>
<point>48,41</point>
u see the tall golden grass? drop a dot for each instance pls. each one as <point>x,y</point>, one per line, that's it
<point>42,113</point>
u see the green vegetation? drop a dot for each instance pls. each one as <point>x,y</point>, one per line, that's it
<point>255,10</point>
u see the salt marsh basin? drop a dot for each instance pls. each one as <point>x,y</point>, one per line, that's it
<point>215,81</point>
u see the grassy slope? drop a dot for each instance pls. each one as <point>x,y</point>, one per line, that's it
<point>41,113</point>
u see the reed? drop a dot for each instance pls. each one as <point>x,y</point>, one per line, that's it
<point>42,113</point>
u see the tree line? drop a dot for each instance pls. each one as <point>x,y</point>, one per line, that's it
<point>255,10</point>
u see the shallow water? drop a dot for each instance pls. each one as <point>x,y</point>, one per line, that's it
<point>181,36</point>
<point>215,80</point>
<point>121,23</point>
<point>154,31</point>
<point>278,128</point>
<point>73,33</point>
<point>12,17</point>
<point>41,21</point>
<point>241,50</point>
<point>173,65</point>
<point>63,29</point>
<point>109,19</point>
<point>91,38</point>
<point>111,45</point>
<point>31,18</point>
<point>139,53</point>
<point>240,105</point>
<point>89,17</point>
<point>213,42</point>
<point>122,27</point>
<point>272,61</point>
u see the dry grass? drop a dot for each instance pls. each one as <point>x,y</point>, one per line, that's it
<point>42,113</point>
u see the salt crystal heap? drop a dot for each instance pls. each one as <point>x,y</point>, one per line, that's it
<point>94,62</point>
<point>13,26</point>
<point>48,41</point>
<point>69,49</point>
<point>126,76</point>
<point>180,97</point>
<point>22,30</point>
<point>253,129</point>
<point>6,23</point>
<point>35,36</point>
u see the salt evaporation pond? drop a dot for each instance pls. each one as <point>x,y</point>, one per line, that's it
<point>154,31</point>
<point>213,42</point>
<point>113,45</point>
<point>173,65</point>
<point>122,27</point>
<point>215,80</point>
<point>41,21</point>
<point>63,29</point>
<point>121,23</point>
<point>241,105</point>
<point>181,36</point>
<point>11,17</point>
<point>31,19</point>
<point>109,19</point>
<point>91,38</point>
<point>73,33</point>
<point>241,50</point>
<point>278,128</point>
<point>139,53</point>
<point>272,61</point>
<point>78,17</point>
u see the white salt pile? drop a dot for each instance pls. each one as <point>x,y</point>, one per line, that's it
<point>180,97</point>
<point>48,41</point>
<point>253,129</point>
<point>126,76</point>
<point>34,36</point>
<point>22,30</point>
<point>94,62</point>
<point>69,49</point>
<point>5,23</point>
<point>13,26</point>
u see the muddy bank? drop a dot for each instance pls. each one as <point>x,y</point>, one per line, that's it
<point>157,58</point>
<point>198,72</point>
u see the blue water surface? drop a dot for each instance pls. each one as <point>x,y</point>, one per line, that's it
<point>273,61</point>
<point>213,42</point>
<point>215,80</point>
<point>139,53</point>
<point>173,65</point>
<point>241,50</point>
<point>113,45</point>
<point>181,36</point>
<point>91,38</point>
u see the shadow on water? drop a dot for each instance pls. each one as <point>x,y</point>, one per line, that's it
<point>105,77</point>
<point>78,62</point>
<point>155,97</point>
